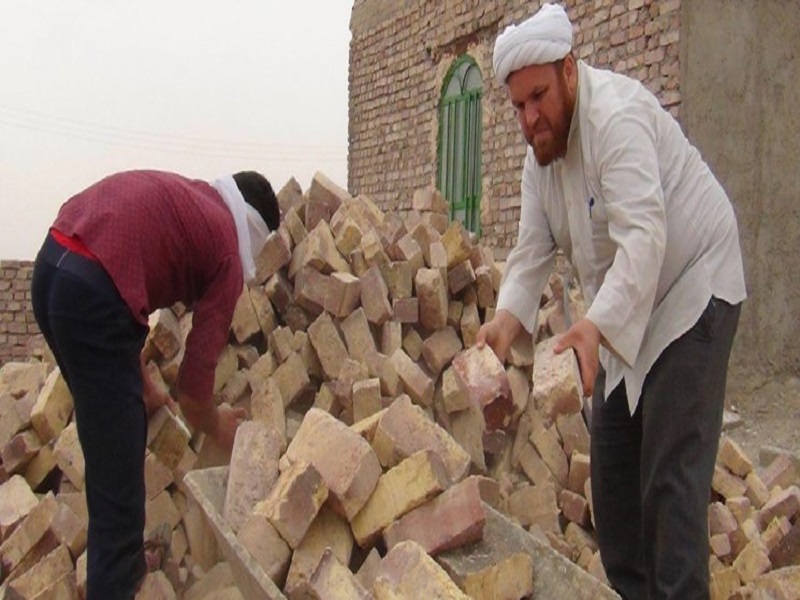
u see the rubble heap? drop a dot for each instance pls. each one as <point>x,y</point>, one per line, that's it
<point>379,438</point>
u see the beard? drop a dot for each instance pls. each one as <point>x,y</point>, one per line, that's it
<point>549,142</point>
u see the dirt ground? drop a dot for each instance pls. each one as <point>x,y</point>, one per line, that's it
<point>770,416</point>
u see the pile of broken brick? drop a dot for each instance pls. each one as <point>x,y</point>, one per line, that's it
<point>380,440</point>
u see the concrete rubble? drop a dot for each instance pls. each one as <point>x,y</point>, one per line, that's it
<point>382,446</point>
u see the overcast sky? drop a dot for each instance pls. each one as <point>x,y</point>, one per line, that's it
<point>92,87</point>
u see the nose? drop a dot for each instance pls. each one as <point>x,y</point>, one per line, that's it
<point>530,114</point>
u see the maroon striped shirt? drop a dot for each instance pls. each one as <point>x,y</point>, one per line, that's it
<point>164,238</point>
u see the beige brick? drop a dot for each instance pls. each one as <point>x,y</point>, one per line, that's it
<point>275,254</point>
<point>519,381</point>
<point>727,484</point>
<point>322,440</point>
<point>294,501</point>
<point>457,244</point>
<point>11,422</point>
<point>775,533</point>
<point>165,333</point>
<point>260,538</point>
<point>546,441</point>
<point>459,277</point>
<point>43,575</point>
<point>294,225</point>
<point>262,306</point>
<point>724,583</point>
<point>372,248</point>
<point>416,383</point>
<point>290,196</point>
<point>357,335</point>
<point>281,343</point>
<point>411,483</point>
<point>16,502</point>
<point>429,199</point>
<point>279,292</point>
<point>412,344</point>
<point>212,583</point>
<point>580,538</point>
<point>292,379</point>
<point>521,352</point>
<point>535,505</point>
<point>227,366</point>
<point>408,572</point>
<point>348,237</point>
<point>20,451</point>
<point>573,433</point>
<point>381,366</point>
<point>344,294</point>
<point>468,427</point>
<point>369,569</point>
<point>470,324</point>
<point>253,470</point>
<point>267,406</point>
<point>53,407</point>
<point>575,508</point>
<point>391,337</point>
<point>311,290</point>
<point>454,396</point>
<point>532,464</point>
<point>578,471</point>
<point>321,252</point>
<point>328,530</point>
<point>410,250</point>
<point>70,529</point>
<point>781,472</point>
<point>752,562</point>
<point>28,533</point>
<point>366,398</point>
<point>482,375</point>
<point>453,518</point>
<point>721,519</point>
<point>375,297</point>
<point>159,510</point>
<point>431,291</point>
<point>556,381</point>
<point>245,323</point>
<point>787,551</point>
<point>732,456</point>
<point>756,491</point>
<point>741,508</point>
<point>405,429</point>
<point>425,236</point>
<point>157,477</point>
<point>440,348</point>
<point>19,378</point>
<point>332,580</point>
<point>785,503</point>
<point>485,287</point>
<point>455,309</point>
<point>398,278</point>
<point>406,310</point>
<point>167,437</point>
<point>720,545</point>
<point>351,372</point>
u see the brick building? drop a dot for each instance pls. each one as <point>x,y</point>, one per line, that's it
<point>18,329</point>
<point>425,108</point>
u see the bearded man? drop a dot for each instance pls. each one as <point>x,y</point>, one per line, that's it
<point>611,180</point>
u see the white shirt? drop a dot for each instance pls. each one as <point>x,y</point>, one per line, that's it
<point>641,217</point>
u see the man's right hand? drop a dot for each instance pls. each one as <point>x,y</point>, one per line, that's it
<point>499,333</point>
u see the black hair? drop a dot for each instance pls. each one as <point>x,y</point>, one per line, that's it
<point>257,192</point>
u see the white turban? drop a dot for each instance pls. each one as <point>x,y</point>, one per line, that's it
<point>544,38</point>
<point>251,230</point>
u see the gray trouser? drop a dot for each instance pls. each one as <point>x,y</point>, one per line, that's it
<point>651,472</point>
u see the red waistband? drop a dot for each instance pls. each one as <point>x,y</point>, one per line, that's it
<point>72,243</point>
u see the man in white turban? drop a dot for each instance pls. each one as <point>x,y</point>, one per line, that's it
<point>610,179</point>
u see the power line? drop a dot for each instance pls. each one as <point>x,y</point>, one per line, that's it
<point>110,135</point>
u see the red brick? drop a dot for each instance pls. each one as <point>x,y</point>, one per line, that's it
<point>483,377</point>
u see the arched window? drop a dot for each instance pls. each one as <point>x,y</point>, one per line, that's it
<point>459,177</point>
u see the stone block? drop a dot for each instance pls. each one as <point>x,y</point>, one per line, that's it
<point>328,530</point>
<point>294,501</point>
<point>366,398</point>
<point>16,502</point>
<point>373,251</point>
<point>406,310</point>
<point>405,429</point>
<point>292,378</point>
<point>431,291</point>
<point>457,244</point>
<point>416,383</point>
<point>485,380</point>
<point>290,196</point>
<point>391,337</point>
<point>557,388</point>
<point>375,296</point>
<point>412,344</point>
<point>408,249</point>
<point>408,572</point>
<point>311,290</point>
<point>344,294</point>
<point>348,236</point>
<point>398,278</point>
<point>53,407</point>
<point>411,483</point>
<point>253,470</point>
<point>276,254</point>
<point>321,252</point>
<point>294,224</point>
<point>731,455</point>
<point>167,438</point>
<point>453,518</point>
<point>357,335</point>
<point>440,348</point>
<point>322,440</point>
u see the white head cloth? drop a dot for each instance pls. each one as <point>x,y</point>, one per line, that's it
<point>544,38</point>
<point>251,230</point>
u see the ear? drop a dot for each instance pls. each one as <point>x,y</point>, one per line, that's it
<point>571,73</point>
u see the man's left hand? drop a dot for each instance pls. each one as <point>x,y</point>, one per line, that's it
<point>584,338</point>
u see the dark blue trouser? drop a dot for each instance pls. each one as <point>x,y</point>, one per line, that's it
<point>96,342</point>
<point>651,473</point>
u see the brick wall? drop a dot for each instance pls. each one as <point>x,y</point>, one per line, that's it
<point>400,53</point>
<point>18,329</point>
